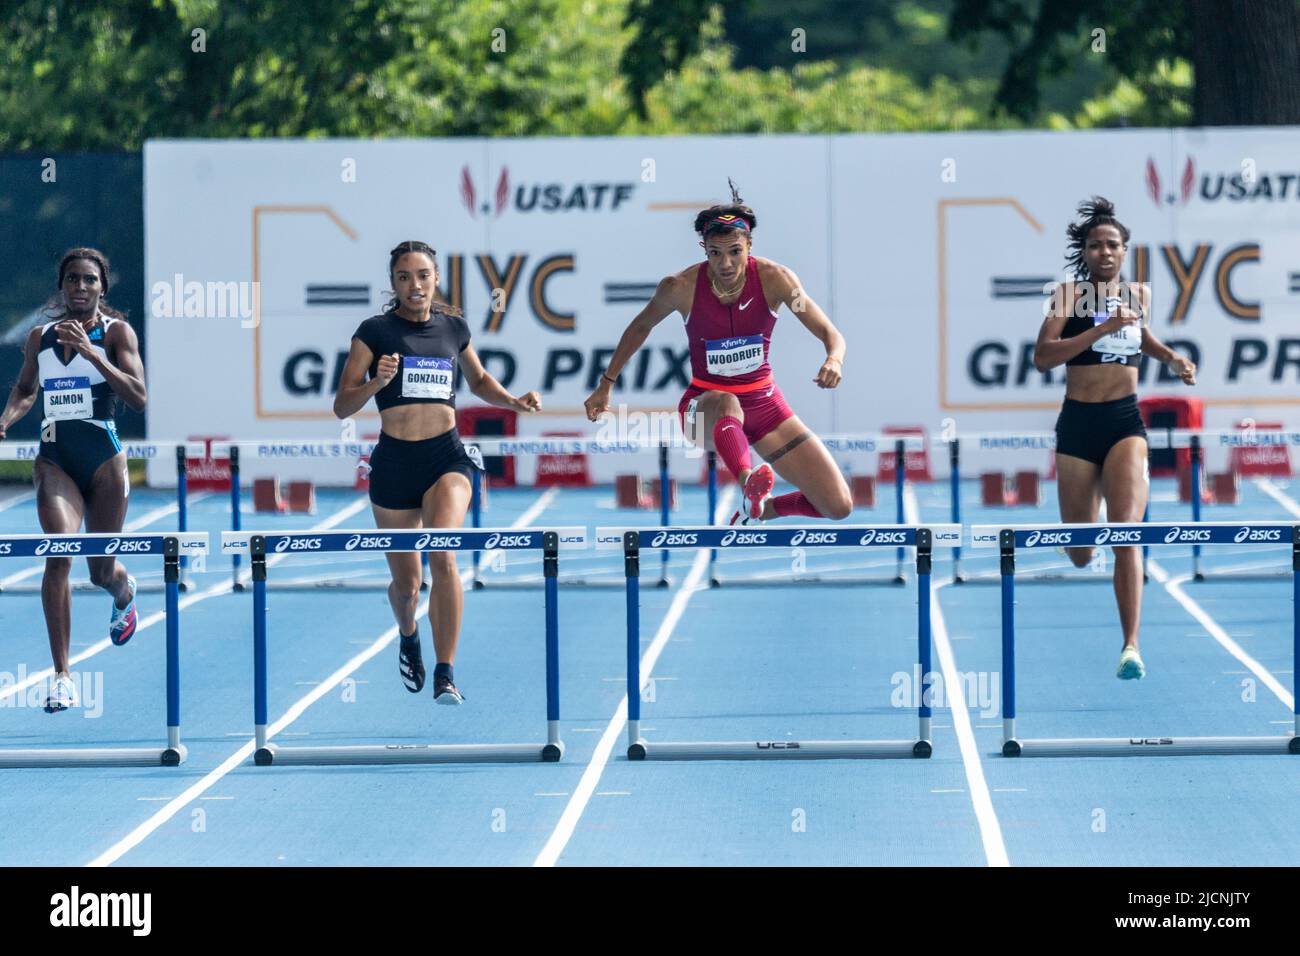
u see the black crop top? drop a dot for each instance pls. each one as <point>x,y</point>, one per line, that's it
<point>1118,348</point>
<point>429,353</point>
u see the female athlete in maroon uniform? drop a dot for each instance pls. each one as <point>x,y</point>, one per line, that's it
<point>1098,330</point>
<point>730,305</point>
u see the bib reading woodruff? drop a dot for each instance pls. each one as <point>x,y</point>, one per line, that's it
<point>734,356</point>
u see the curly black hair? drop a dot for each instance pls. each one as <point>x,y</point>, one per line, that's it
<point>1097,211</point>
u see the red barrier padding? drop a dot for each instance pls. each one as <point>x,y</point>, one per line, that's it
<point>301,497</point>
<point>266,496</point>
<point>917,462</point>
<point>864,491</point>
<point>565,470</point>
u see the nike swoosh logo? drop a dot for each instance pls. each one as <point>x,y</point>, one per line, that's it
<point>744,304</point>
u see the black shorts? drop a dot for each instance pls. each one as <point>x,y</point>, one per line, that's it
<point>79,447</point>
<point>1089,430</point>
<point>402,471</point>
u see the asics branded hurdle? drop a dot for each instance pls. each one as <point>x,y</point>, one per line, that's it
<point>632,541</point>
<point>1029,537</point>
<point>139,450</point>
<point>842,444</point>
<point>549,541</point>
<point>171,548</point>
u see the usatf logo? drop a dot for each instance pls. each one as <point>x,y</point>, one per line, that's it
<point>1177,534</point>
<point>368,541</point>
<point>543,197</point>
<point>1185,186</point>
<point>1118,536</point>
<point>812,537</point>
<point>883,537</point>
<point>58,547</point>
<point>1048,538</point>
<point>674,538</point>
<point>1257,534</point>
<point>437,541</point>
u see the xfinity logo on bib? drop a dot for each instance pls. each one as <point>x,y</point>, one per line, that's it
<point>1118,536</point>
<point>678,538</point>
<point>1258,534</point>
<point>367,541</point>
<point>1048,537</point>
<point>58,547</point>
<point>883,537</point>
<point>812,537</point>
<point>1186,534</point>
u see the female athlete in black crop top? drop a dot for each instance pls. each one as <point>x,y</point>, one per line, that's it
<point>1097,328</point>
<point>420,471</point>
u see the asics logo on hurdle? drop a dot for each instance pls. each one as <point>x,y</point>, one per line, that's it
<point>1011,541</point>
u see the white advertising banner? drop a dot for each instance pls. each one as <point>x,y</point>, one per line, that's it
<point>932,253</point>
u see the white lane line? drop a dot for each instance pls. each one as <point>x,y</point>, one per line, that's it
<point>995,849</point>
<point>1174,585</point>
<point>143,521</point>
<point>1274,492</point>
<point>559,838</point>
<point>178,803</point>
<point>18,499</point>
<point>150,620</point>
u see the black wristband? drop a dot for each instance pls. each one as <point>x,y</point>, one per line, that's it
<point>608,379</point>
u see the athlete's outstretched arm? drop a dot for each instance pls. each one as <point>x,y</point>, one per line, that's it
<point>1051,350</point>
<point>815,321</point>
<point>484,386</point>
<point>23,394</point>
<point>666,299</point>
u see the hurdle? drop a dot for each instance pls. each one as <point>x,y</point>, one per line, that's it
<point>1198,440</point>
<point>984,441</point>
<point>842,444</point>
<point>172,547</point>
<point>140,451</point>
<point>632,541</point>
<point>257,545</point>
<point>1028,537</point>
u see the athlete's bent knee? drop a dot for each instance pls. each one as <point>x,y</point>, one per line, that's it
<point>1080,557</point>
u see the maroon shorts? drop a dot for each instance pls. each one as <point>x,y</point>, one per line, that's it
<point>763,409</point>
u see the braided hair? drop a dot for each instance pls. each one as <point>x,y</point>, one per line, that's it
<point>1097,211</point>
<point>438,304</point>
<point>722,219</point>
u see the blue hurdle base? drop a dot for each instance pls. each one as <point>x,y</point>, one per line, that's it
<point>371,754</point>
<point>778,749</point>
<point>94,757</point>
<point>1150,746</point>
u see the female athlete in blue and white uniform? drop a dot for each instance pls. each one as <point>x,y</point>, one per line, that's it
<point>77,367</point>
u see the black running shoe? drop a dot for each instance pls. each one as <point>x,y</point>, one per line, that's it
<point>410,662</point>
<point>445,692</point>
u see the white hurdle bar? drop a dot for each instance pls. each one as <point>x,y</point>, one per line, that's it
<point>632,541</point>
<point>1009,540</point>
<point>550,541</point>
<point>171,547</point>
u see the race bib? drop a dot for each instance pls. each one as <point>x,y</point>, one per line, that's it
<point>1127,341</point>
<point>734,356</point>
<point>426,377</point>
<point>67,398</point>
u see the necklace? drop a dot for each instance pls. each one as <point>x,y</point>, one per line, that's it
<point>726,293</point>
